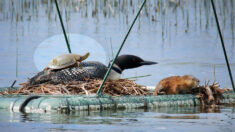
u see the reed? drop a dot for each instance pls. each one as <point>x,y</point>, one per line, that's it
<point>17,11</point>
<point>135,77</point>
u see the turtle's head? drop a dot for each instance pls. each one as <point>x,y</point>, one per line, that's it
<point>81,58</point>
<point>85,56</point>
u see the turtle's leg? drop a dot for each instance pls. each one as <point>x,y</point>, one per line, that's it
<point>48,70</point>
<point>45,69</point>
<point>78,64</point>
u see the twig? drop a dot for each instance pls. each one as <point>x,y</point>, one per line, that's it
<point>214,73</point>
<point>83,88</point>
<point>64,88</point>
<point>135,91</point>
<point>138,76</point>
<point>42,90</point>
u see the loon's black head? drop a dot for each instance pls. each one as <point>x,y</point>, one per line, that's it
<point>130,61</point>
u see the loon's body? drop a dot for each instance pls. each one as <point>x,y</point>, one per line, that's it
<point>90,69</point>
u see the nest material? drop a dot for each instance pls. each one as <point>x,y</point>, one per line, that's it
<point>88,87</point>
<point>210,95</point>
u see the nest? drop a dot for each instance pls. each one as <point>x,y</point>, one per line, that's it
<point>88,87</point>
<point>210,95</point>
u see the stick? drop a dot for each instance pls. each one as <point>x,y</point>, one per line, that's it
<point>139,76</point>
<point>12,85</point>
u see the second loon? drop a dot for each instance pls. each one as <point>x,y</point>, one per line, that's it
<point>90,69</point>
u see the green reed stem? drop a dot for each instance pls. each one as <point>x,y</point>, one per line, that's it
<point>62,25</point>
<point>138,76</point>
<point>222,43</point>
<point>99,91</point>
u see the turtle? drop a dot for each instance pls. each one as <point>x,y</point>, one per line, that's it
<point>65,61</point>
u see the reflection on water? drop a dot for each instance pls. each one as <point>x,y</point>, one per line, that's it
<point>163,119</point>
<point>181,35</point>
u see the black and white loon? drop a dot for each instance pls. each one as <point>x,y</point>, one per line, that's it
<point>90,69</point>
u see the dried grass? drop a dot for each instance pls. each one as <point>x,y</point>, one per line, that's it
<point>90,86</point>
<point>210,94</point>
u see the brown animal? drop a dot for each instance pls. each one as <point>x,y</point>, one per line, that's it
<point>176,84</point>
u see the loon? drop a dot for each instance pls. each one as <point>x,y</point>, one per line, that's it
<point>90,69</point>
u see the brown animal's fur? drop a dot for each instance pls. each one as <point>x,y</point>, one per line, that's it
<point>176,84</point>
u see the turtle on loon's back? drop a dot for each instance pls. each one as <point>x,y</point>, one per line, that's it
<point>65,61</point>
<point>91,69</point>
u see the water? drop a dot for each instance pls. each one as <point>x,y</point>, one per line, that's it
<point>169,119</point>
<point>179,34</point>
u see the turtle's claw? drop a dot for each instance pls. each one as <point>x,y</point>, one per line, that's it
<point>80,67</point>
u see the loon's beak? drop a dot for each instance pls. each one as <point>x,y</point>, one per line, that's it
<point>148,63</point>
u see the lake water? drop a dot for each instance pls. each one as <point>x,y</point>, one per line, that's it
<point>169,119</point>
<point>179,34</point>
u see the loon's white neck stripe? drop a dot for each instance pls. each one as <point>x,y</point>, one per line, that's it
<point>117,68</point>
<point>115,72</point>
<point>114,75</point>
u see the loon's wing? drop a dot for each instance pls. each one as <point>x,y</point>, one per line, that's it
<point>77,74</point>
<point>90,69</point>
<point>41,77</point>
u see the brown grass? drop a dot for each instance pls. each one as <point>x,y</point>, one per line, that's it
<point>210,94</point>
<point>113,88</point>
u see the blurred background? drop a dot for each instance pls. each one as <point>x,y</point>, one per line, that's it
<point>179,34</point>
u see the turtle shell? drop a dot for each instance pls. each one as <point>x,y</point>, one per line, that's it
<point>63,61</point>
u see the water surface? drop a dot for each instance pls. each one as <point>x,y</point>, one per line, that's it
<point>169,119</point>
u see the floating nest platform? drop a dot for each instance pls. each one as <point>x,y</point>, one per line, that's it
<point>120,94</point>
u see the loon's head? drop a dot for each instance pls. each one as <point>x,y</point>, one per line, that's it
<point>129,61</point>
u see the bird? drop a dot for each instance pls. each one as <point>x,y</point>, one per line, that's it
<point>90,70</point>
